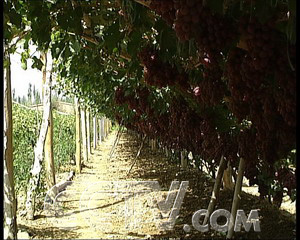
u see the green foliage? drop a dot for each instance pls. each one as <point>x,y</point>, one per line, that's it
<point>26,125</point>
<point>64,139</point>
<point>25,133</point>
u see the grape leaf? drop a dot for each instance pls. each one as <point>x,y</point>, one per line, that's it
<point>37,63</point>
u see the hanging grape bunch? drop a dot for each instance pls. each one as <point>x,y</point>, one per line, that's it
<point>156,72</point>
<point>194,20</point>
<point>285,77</point>
<point>270,58</point>
<point>238,102</point>
<point>211,89</point>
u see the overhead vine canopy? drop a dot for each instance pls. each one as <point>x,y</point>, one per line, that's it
<point>214,77</point>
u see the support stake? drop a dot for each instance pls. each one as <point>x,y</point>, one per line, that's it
<point>216,190</point>
<point>236,198</point>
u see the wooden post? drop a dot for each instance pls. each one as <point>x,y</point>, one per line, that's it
<point>216,190</point>
<point>88,130</point>
<point>84,135</point>
<point>236,198</point>
<point>95,133</point>
<point>10,204</point>
<point>78,140</point>
<point>99,132</point>
<point>227,178</point>
<point>105,127</point>
<point>49,156</point>
<point>102,129</point>
<point>183,159</point>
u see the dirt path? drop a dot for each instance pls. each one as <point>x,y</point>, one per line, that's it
<point>98,203</point>
<point>103,202</point>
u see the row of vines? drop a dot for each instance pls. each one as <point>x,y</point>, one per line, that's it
<point>240,102</point>
<point>26,125</point>
<point>216,78</point>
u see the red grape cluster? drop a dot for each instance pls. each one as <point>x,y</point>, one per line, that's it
<point>211,89</point>
<point>258,91</point>
<point>238,100</point>
<point>137,101</point>
<point>156,72</point>
<point>194,20</point>
<point>286,92</point>
<point>270,61</point>
<point>262,42</point>
<point>210,146</point>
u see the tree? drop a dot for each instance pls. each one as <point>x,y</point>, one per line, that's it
<point>24,100</point>
<point>29,94</point>
<point>39,151</point>
<point>10,205</point>
<point>14,94</point>
<point>34,95</point>
<point>49,155</point>
<point>37,97</point>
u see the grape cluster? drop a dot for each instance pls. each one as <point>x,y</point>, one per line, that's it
<point>269,60</point>
<point>262,42</point>
<point>210,146</point>
<point>211,89</point>
<point>286,92</point>
<point>156,72</point>
<point>194,20</point>
<point>162,74</point>
<point>248,150</point>
<point>238,100</point>
<point>137,100</point>
<point>262,88</point>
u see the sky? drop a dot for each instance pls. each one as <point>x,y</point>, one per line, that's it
<point>20,78</point>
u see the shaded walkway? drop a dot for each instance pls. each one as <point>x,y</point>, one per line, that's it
<point>100,202</point>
